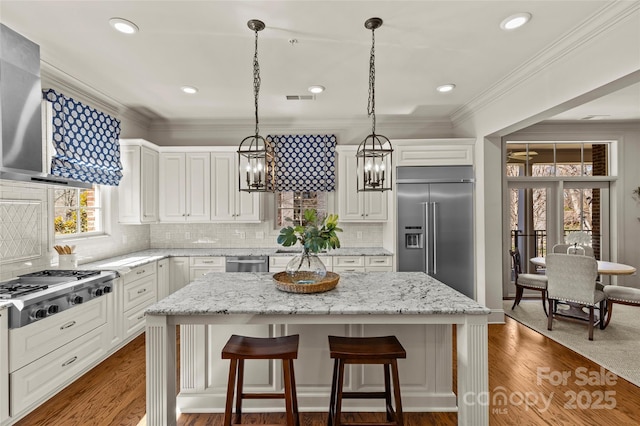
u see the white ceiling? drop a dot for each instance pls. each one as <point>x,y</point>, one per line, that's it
<point>207,44</point>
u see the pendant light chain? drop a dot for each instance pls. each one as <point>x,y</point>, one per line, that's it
<point>256,80</point>
<point>371,105</point>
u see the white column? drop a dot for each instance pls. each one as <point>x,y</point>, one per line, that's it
<point>473,371</point>
<point>161,371</point>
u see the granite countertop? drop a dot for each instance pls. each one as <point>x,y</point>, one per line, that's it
<point>4,305</point>
<point>125,262</point>
<point>357,293</point>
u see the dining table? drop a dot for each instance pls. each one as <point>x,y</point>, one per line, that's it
<point>604,267</point>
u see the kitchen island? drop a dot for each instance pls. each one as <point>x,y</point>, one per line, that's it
<point>408,304</point>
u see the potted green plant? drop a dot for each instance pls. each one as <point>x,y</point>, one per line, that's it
<point>318,233</point>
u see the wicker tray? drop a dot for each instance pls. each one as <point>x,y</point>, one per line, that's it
<point>284,283</point>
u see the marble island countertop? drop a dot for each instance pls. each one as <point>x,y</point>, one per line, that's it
<point>357,293</point>
<point>139,258</point>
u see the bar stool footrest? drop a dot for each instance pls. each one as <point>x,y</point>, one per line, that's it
<point>363,395</point>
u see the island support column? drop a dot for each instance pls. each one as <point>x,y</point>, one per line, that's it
<point>161,371</point>
<point>473,371</point>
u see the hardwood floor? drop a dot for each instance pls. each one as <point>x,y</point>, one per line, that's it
<point>522,368</point>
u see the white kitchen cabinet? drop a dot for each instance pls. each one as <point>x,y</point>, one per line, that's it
<point>31,342</point>
<point>179,273</point>
<point>185,187</point>
<point>164,279</point>
<point>348,264</point>
<point>354,206</point>
<point>138,189</point>
<point>35,382</point>
<point>114,313</point>
<point>140,290</point>
<point>433,152</point>
<point>198,266</point>
<point>228,204</point>
<point>4,366</point>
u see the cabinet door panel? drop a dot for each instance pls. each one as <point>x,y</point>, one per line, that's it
<point>172,187</point>
<point>129,188</point>
<point>224,187</point>
<point>149,185</point>
<point>198,187</point>
<point>350,206</point>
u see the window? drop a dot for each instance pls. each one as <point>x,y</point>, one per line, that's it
<point>291,206</point>
<point>77,212</point>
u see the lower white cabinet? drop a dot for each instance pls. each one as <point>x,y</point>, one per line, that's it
<point>198,266</point>
<point>140,290</point>
<point>4,366</point>
<point>341,263</point>
<point>164,279</point>
<point>38,380</point>
<point>279,263</point>
<point>33,341</point>
<point>178,273</point>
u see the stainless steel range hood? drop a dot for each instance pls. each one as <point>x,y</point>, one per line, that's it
<point>22,151</point>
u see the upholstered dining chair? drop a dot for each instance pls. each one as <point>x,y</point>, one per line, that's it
<point>622,295</point>
<point>527,281</point>
<point>572,278</point>
<point>571,249</point>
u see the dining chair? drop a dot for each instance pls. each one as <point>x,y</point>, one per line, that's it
<point>573,249</point>
<point>622,295</point>
<point>572,279</point>
<point>527,281</point>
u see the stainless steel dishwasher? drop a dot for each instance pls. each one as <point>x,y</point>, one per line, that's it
<point>247,264</point>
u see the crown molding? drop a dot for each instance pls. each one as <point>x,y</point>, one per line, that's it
<point>602,21</point>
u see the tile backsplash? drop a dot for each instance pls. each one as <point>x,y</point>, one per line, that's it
<point>222,235</point>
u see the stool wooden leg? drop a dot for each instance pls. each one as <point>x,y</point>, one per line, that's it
<point>294,394</point>
<point>387,393</point>
<point>337,420</point>
<point>396,393</point>
<point>239,390</point>
<point>332,395</point>
<point>288,400</point>
<point>230,388</point>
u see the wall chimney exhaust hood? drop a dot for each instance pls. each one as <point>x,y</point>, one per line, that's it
<point>22,151</point>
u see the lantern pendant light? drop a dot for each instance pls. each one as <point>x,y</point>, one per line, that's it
<point>256,160</point>
<point>374,166</point>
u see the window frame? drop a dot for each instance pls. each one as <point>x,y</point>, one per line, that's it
<point>101,218</point>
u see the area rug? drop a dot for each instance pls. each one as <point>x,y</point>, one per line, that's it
<point>616,348</point>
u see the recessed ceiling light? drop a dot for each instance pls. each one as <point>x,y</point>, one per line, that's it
<point>446,88</point>
<point>515,21</point>
<point>189,90</point>
<point>124,26</point>
<point>316,89</point>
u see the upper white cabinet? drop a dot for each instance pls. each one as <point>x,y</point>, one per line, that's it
<point>433,152</point>
<point>185,187</point>
<point>354,206</point>
<point>138,189</point>
<point>228,204</point>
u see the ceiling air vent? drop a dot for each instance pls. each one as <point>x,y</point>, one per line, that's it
<point>301,97</point>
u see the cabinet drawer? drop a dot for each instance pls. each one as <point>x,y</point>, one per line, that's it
<point>379,269</point>
<point>28,343</point>
<point>134,320</point>
<point>40,379</point>
<point>339,269</point>
<point>278,263</point>
<point>378,261</point>
<point>350,261</point>
<point>140,272</point>
<point>139,291</point>
<point>211,261</point>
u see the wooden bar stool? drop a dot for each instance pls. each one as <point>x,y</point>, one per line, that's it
<point>366,350</point>
<point>240,348</point>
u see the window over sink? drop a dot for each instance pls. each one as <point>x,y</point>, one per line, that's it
<point>77,212</point>
<point>292,204</point>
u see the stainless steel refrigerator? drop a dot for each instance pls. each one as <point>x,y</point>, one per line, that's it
<point>435,224</point>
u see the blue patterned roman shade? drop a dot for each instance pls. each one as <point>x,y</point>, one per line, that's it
<point>305,162</point>
<point>85,142</point>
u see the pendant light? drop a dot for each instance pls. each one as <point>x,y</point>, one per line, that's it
<point>256,165</point>
<point>374,152</point>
